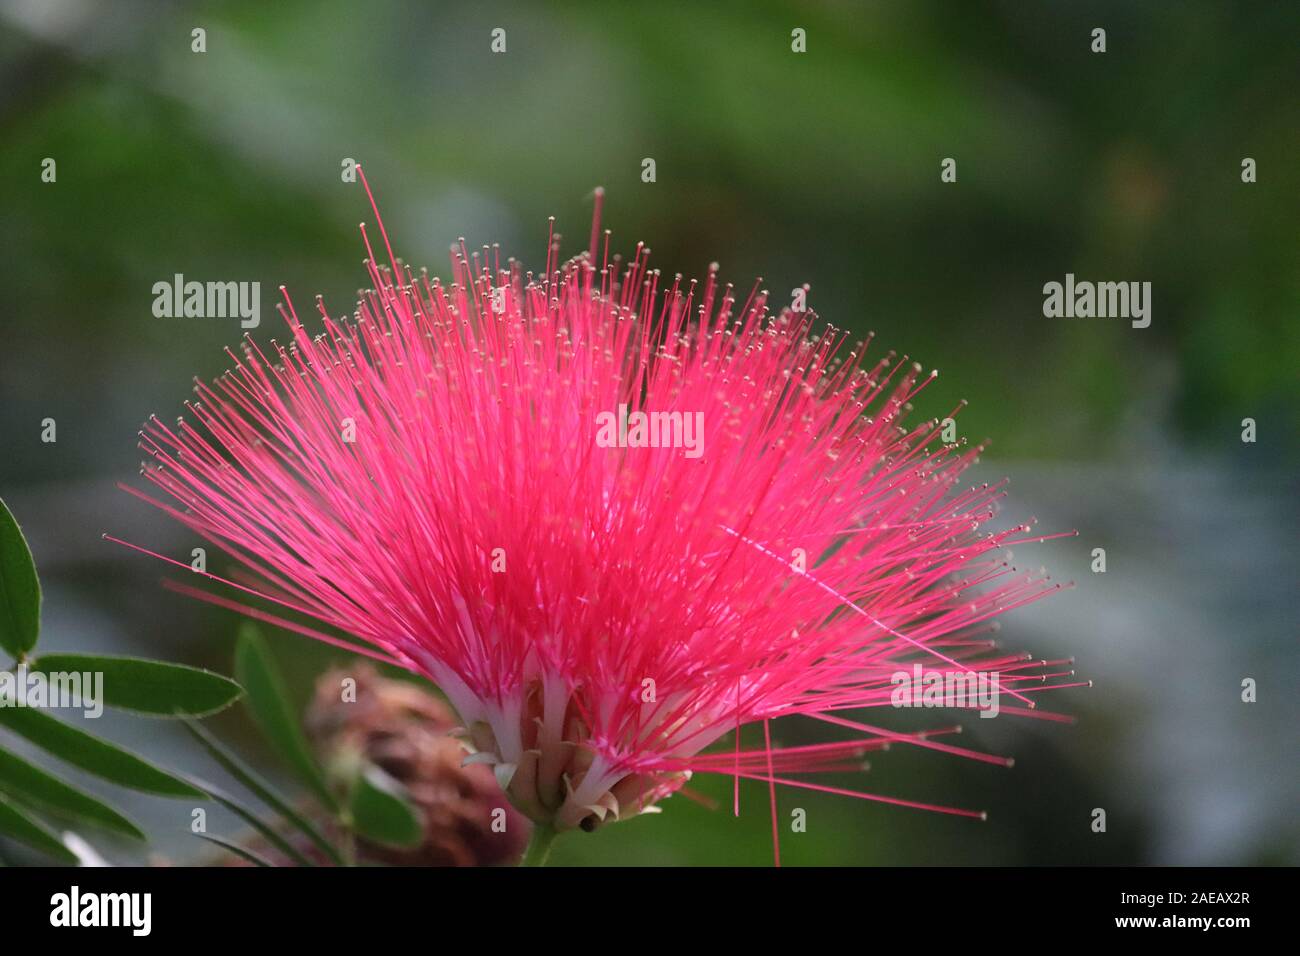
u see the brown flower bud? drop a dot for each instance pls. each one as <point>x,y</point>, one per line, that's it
<point>406,731</point>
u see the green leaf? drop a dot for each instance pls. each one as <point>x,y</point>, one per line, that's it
<point>234,848</point>
<point>260,788</point>
<point>97,756</point>
<point>268,832</point>
<point>149,687</point>
<point>255,669</point>
<point>32,785</point>
<point>18,825</point>
<point>382,811</point>
<point>20,589</point>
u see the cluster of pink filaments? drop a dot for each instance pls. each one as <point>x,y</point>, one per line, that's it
<point>425,477</point>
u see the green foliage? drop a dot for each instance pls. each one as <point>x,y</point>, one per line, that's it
<point>267,830</point>
<point>150,687</point>
<point>29,784</point>
<point>76,747</point>
<point>142,686</point>
<point>242,852</point>
<point>20,590</point>
<point>17,824</point>
<point>382,812</point>
<point>261,789</point>
<point>269,701</point>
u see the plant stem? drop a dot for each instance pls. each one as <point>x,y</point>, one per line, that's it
<point>539,846</point>
<point>347,843</point>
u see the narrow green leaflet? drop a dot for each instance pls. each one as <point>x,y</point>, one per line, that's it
<point>148,687</point>
<point>20,590</point>
<point>268,832</point>
<point>260,788</point>
<point>234,848</point>
<point>18,825</point>
<point>97,756</point>
<point>382,812</point>
<point>29,784</point>
<point>256,671</point>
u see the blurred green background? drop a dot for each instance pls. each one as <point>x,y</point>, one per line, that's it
<point>820,167</point>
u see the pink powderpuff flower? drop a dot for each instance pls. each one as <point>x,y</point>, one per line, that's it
<point>615,518</point>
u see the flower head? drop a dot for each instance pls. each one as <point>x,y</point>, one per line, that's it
<point>613,516</point>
